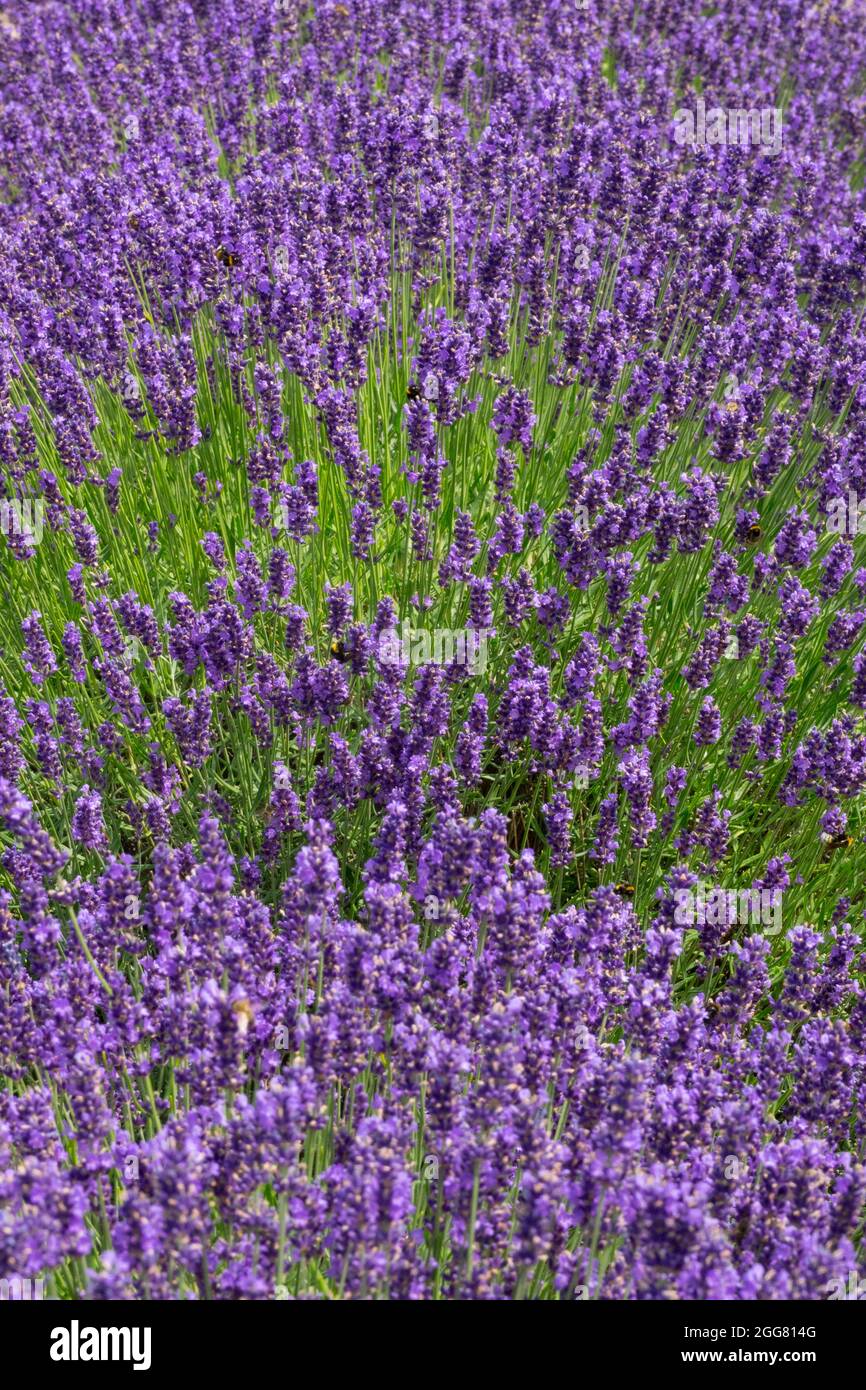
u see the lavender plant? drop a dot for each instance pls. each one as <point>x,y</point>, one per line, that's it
<point>432,667</point>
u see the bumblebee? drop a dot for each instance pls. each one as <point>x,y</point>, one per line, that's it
<point>627,889</point>
<point>413,391</point>
<point>839,842</point>
<point>133,222</point>
<point>227,257</point>
<point>338,650</point>
<point>754,532</point>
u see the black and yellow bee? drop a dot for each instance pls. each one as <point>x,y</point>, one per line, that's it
<point>338,650</point>
<point>227,257</point>
<point>627,889</point>
<point>413,391</point>
<point>838,842</point>
<point>754,532</point>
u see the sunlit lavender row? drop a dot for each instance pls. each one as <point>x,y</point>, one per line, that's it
<point>432,674</point>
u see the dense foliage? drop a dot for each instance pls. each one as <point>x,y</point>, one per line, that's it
<point>432,733</point>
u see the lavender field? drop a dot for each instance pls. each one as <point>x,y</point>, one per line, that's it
<point>432,665</point>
